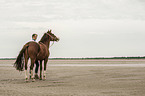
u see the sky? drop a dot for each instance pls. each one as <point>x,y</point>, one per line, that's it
<point>86,28</point>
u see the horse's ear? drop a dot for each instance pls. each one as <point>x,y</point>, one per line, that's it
<point>50,30</point>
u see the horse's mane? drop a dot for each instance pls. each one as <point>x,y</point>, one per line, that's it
<point>44,38</point>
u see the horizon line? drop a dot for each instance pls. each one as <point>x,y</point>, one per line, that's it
<point>101,57</point>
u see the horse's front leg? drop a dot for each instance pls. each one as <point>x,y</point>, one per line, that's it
<point>31,69</point>
<point>44,73</point>
<point>40,69</point>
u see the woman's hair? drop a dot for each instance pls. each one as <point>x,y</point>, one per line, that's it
<point>33,35</point>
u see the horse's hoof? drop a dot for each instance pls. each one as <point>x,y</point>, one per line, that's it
<point>33,80</point>
<point>44,78</point>
<point>36,77</point>
<point>26,80</point>
<point>40,78</point>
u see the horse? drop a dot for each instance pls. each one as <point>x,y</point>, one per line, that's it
<point>35,51</point>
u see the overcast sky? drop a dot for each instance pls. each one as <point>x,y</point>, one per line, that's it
<point>87,28</point>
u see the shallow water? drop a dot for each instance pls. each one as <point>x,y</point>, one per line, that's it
<point>87,65</point>
<point>95,65</point>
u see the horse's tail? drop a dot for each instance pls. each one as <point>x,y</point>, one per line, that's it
<point>19,64</point>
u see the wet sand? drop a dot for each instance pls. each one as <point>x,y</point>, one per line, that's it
<point>77,80</point>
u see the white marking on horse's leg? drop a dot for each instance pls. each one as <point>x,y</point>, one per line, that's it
<point>32,74</point>
<point>26,75</point>
<point>44,75</point>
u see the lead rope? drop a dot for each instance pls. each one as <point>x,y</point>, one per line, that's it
<point>52,44</point>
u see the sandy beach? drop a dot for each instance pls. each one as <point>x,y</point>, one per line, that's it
<point>77,78</point>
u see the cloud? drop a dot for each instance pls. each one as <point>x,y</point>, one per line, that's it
<point>85,27</point>
<point>42,10</point>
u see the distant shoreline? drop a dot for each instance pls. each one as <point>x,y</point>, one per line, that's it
<point>86,58</point>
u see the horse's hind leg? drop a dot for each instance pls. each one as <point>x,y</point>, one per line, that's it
<point>40,69</point>
<point>26,72</point>
<point>31,69</point>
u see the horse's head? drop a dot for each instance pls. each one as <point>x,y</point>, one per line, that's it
<point>52,36</point>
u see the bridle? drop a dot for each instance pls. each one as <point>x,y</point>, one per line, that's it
<point>49,35</point>
<point>51,38</point>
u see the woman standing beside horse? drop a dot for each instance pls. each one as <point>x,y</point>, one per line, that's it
<point>35,51</point>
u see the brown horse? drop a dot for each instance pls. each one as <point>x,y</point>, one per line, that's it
<point>35,51</point>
